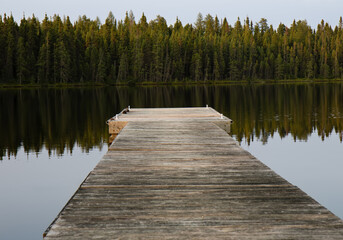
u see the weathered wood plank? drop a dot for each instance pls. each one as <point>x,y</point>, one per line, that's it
<point>174,174</point>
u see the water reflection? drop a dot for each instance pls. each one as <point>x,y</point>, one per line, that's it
<point>55,122</point>
<point>62,118</point>
<point>299,110</point>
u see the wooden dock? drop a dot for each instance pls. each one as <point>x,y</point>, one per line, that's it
<point>174,173</point>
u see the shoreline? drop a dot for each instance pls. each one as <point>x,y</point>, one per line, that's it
<point>174,83</point>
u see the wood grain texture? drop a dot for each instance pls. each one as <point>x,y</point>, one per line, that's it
<point>114,127</point>
<point>168,177</point>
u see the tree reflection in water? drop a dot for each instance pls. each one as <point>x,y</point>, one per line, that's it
<point>59,119</point>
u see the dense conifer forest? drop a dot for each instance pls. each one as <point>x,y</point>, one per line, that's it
<point>55,50</point>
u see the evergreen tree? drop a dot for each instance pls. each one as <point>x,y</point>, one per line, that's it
<point>22,67</point>
<point>101,71</point>
<point>279,74</point>
<point>123,71</point>
<point>64,63</point>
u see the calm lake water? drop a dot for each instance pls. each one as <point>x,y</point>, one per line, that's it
<point>50,139</point>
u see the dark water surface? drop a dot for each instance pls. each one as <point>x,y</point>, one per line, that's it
<point>50,139</point>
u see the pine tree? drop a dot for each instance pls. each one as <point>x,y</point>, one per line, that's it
<point>123,70</point>
<point>101,71</point>
<point>199,24</point>
<point>64,63</point>
<point>279,74</point>
<point>22,68</point>
<point>43,66</point>
<point>197,67</point>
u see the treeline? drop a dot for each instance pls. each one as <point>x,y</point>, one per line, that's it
<point>129,51</point>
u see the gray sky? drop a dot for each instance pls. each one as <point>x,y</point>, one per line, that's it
<point>275,11</point>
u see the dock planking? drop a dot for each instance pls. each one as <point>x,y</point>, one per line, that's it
<point>174,173</point>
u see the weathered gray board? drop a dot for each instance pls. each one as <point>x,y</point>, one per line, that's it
<point>183,177</point>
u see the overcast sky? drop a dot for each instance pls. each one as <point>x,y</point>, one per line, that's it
<point>275,11</point>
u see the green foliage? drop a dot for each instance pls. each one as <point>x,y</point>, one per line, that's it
<point>126,51</point>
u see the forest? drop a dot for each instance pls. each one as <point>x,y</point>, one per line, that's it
<point>57,51</point>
